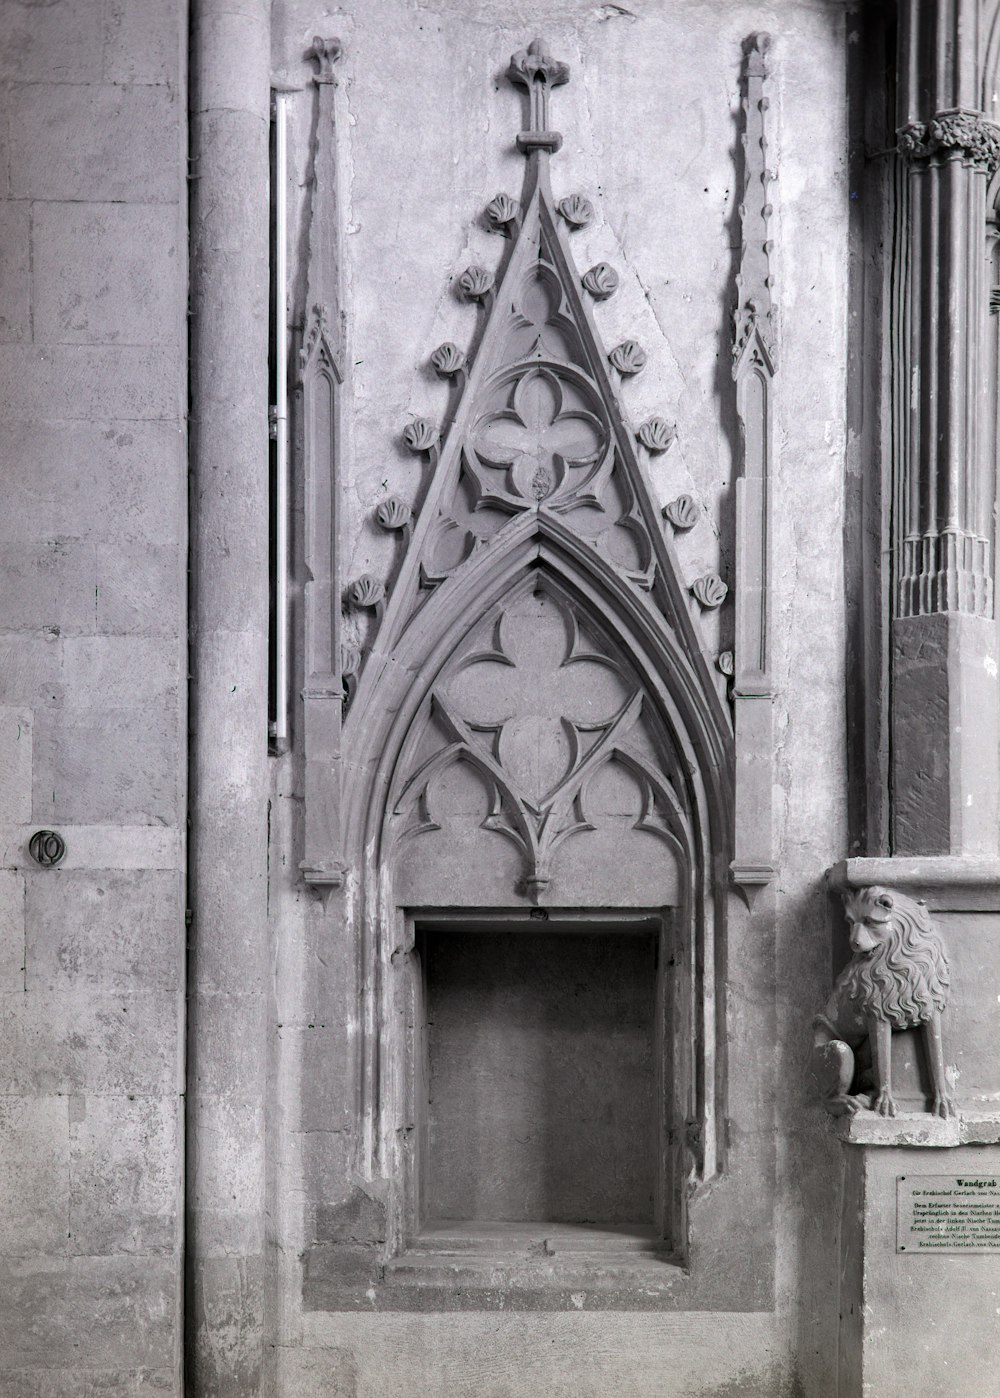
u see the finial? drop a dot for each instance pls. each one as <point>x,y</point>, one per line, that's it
<point>532,68</point>
<point>326,52</point>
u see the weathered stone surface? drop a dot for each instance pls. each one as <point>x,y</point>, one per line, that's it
<point>34,1176</point>
<point>49,586</point>
<point>96,143</point>
<point>15,222</point>
<point>30,667</point>
<point>124,1169</point>
<point>11,931</point>
<point>110,764</point>
<point>87,1041</point>
<point>141,588</point>
<point>91,381</point>
<point>120,932</point>
<point>57,42</point>
<point>87,1383</point>
<point>143,42</point>
<point>15,764</point>
<point>127,485</point>
<point>107,1312</point>
<point>119,294</point>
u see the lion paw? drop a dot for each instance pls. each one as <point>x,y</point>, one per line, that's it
<point>884,1103</point>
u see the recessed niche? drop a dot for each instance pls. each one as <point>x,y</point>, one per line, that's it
<point>539,1082</point>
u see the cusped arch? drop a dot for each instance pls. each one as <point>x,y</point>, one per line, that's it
<point>538,546</point>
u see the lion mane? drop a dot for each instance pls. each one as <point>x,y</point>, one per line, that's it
<point>906,978</point>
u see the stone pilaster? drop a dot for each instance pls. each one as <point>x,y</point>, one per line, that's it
<point>228,943</point>
<point>944,722</point>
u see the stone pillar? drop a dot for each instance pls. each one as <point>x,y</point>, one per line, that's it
<point>228,951</point>
<point>945,730</point>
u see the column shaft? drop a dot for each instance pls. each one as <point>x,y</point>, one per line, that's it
<point>228,945</point>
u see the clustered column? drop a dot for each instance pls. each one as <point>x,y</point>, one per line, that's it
<point>944,733</point>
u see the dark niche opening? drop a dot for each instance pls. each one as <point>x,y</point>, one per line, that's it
<point>540,1085</point>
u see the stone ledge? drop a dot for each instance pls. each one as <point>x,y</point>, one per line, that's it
<point>943,881</point>
<point>919,1129</point>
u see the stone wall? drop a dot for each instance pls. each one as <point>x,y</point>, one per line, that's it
<point>93,270</point>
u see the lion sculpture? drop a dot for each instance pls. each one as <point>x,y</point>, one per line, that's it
<point>897,978</point>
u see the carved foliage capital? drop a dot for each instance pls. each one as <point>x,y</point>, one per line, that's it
<point>968,133</point>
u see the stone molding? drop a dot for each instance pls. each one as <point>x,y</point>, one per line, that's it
<point>316,407</point>
<point>534,495</point>
<point>754,364</point>
<point>945,882</point>
<point>959,131</point>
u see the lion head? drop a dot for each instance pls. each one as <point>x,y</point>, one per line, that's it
<point>899,968</point>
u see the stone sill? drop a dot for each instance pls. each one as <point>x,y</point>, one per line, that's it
<point>944,881</point>
<point>920,1129</point>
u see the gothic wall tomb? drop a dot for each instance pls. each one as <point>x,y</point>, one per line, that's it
<point>500,885</point>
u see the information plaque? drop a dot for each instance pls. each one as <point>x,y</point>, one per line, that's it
<point>948,1213</point>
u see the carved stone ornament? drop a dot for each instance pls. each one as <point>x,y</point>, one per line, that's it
<point>502,211</point>
<point>683,513</point>
<point>421,435</point>
<point>393,513</point>
<point>657,434</point>
<point>754,365</point>
<point>710,590</point>
<point>628,357</point>
<point>897,978</point>
<point>577,210</point>
<point>532,68</point>
<point>967,133</point>
<point>601,281</point>
<point>366,591</point>
<point>538,703</point>
<point>475,283</point>
<point>448,360</point>
<point>326,52</point>
<point>316,413</point>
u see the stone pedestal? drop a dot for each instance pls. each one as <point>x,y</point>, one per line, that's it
<point>913,1324</point>
<point>926,1321</point>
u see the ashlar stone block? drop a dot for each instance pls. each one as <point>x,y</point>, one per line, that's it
<point>88,1041</point>
<point>34,1176</point>
<point>15,764</point>
<point>125,290</point>
<point>51,43</point>
<point>124,1189</point>
<point>49,585</point>
<point>87,1383</point>
<point>11,931</point>
<point>127,484</point>
<point>114,1313</point>
<point>92,382</point>
<point>114,765</point>
<point>141,588</point>
<point>143,42</point>
<point>96,142</point>
<point>117,931</point>
<point>15,281</point>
